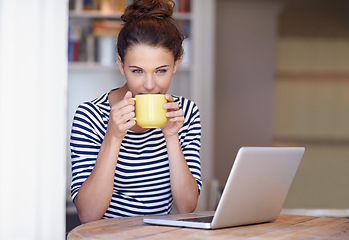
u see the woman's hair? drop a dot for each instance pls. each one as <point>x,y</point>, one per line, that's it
<point>150,22</point>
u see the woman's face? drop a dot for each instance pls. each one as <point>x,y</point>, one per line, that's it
<point>148,69</point>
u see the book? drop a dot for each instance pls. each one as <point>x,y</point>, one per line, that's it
<point>76,37</point>
<point>120,6</point>
<point>184,6</point>
<point>87,5</point>
<point>96,5</point>
<point>70,44</point>
<point>105,51</point>
<point>107,6</point>
<point>71,5</point>
<point>79,5</point>
<point>82,45</point>
<point>90,48</point>
<point>106,27</point>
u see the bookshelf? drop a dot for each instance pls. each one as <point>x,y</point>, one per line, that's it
<point>95,24</point>
<point>194,78</point>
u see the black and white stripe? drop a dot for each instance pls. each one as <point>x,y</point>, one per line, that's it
<point>142,178</point>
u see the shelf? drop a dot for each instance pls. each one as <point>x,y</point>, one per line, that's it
<point>314,75</point>
<point>313,141</point>
<point>99,14</point>
<point>94,14</point>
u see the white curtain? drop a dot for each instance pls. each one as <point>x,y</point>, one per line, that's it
<point>33,95</point>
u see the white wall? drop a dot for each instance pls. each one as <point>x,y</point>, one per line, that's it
<point>33,97</point>
<point>245,67</point>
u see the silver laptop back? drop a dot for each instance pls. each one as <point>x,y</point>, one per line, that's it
<point>257,185</point>
<point>255,191</point>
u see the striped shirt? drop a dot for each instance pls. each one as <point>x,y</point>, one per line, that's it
<point>142,177</point>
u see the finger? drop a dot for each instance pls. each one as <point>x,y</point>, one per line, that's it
<point>126,126</point>
<point>117,112</point>
<point>176,119</point>
<point>128,95</point>
<point>169,97</point>
<point>130,124</point>
<point>121,120</point>
<point>171,106</point>
<point>173,114</point>
<point>126,117</point>
<point>127,100</point>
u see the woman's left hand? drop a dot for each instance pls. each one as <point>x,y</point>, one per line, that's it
<point>175,117</point>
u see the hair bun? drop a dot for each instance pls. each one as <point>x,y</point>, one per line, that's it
<point>142,9</point>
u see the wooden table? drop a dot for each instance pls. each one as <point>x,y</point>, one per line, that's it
<point>285,227</point>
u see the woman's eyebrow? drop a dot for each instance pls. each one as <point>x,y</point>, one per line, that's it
<point>132,66</point>
<point>162,66</point>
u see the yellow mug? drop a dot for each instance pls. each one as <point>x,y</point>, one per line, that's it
<point>149,110</point>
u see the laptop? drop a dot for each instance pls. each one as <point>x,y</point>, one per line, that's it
<point>255,191</point>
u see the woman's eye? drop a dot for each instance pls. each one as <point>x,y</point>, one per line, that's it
<point>160,71</point>
<point>137,71</point>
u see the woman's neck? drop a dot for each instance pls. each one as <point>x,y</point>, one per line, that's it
<point>117,95</point>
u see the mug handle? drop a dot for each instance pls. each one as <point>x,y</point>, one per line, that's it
<point>134,117</point>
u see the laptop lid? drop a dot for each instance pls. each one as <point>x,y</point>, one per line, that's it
<point>255,191</point>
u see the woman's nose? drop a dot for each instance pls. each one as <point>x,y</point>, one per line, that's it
<point>149,82</point>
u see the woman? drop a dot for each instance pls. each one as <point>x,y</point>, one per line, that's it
<point>118,168</point>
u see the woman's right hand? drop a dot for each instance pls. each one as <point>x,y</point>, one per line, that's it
<point>120,115</point>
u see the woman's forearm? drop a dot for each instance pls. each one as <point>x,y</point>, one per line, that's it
<point>95,193</point>
<point>183,185</point>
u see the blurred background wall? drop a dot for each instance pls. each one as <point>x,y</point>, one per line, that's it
<point>311,106</point>
<point>282,79</point>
